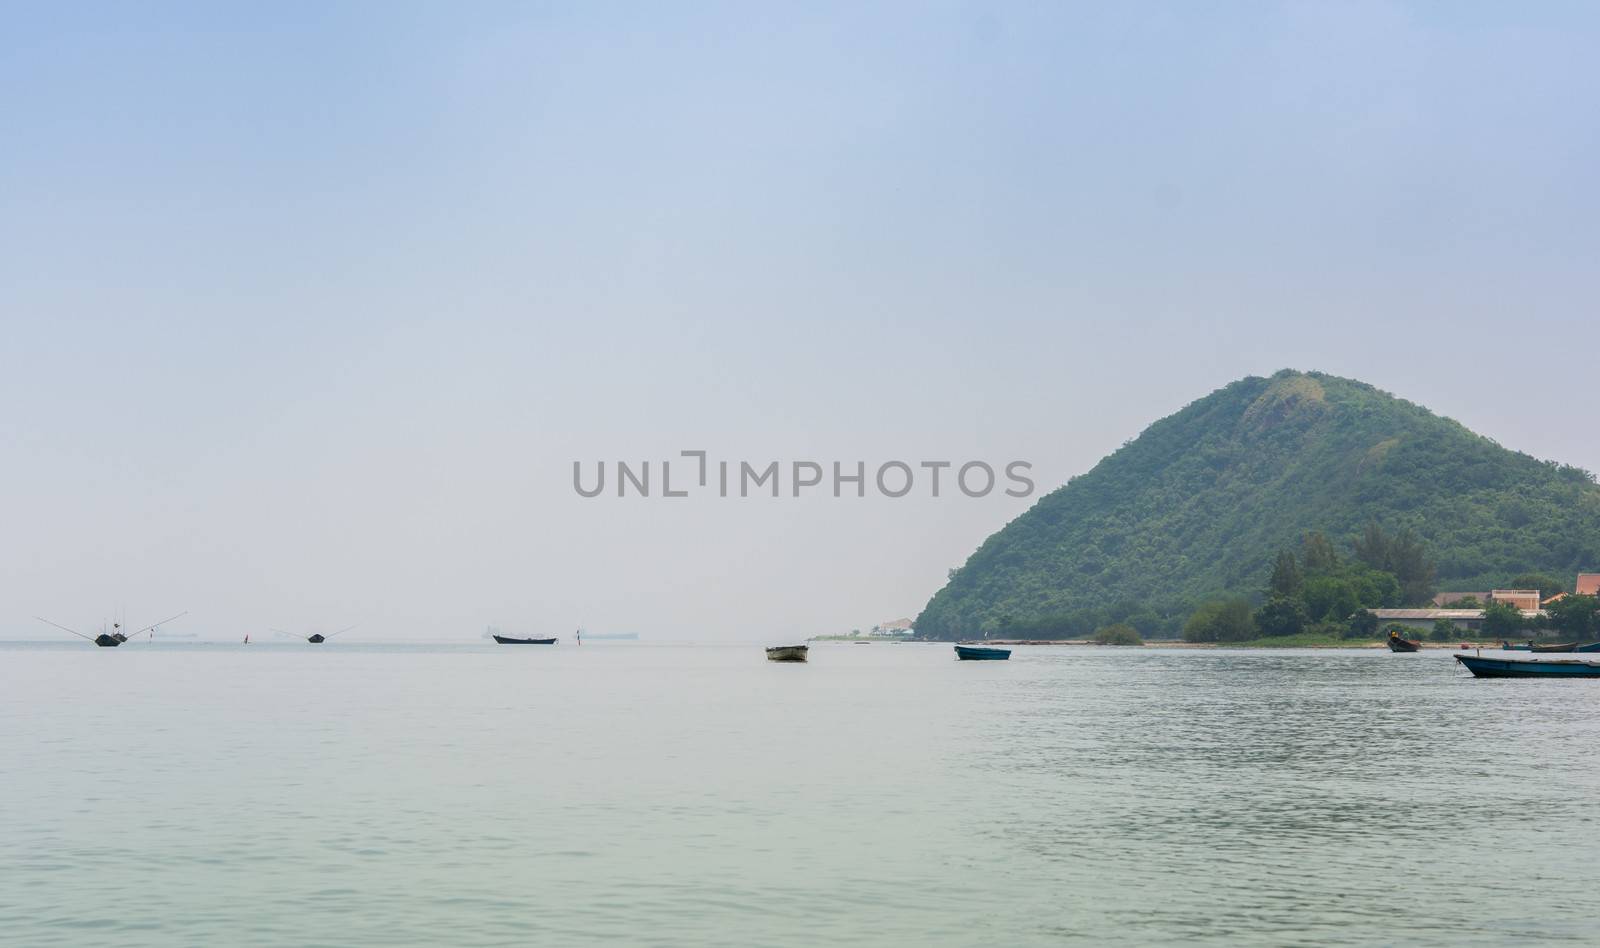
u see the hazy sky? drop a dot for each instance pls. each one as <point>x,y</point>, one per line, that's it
<point>308,309</point>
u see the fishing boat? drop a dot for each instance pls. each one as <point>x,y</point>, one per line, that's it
<point>1530,667</point>
<point>1398,644</point>
<point>116,636</point>
<point>317,638</point>
<point>1568,647</point>
<point>508,640</point>
<point>974,653</point>
<point>787,653</point>
<point>1524,647</point>
<point>1591,647</point>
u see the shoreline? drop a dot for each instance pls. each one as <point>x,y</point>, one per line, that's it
<point>1252,644</point>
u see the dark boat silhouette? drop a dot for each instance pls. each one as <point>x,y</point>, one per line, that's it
<point>788,653</point>
<point>508,640</point>
<point>116,636</point>
<point>317,638</point>
<point>1398,644</point>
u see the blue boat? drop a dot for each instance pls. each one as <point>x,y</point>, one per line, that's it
<point>1530,667</point>
<point>1591,647</point>
<point>972,653</point>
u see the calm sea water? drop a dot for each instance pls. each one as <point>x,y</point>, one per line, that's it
<point>880,795</point>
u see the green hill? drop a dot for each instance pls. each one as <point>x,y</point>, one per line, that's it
<point>1200,503</point>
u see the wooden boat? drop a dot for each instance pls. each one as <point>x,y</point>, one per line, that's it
<point>1568,647</point>
<point>974,653</point>
<point>508,640</point>
<point>787,653</point>
<point>1525,647</point>
<point>1530,667</point>
<point>1398,644</point>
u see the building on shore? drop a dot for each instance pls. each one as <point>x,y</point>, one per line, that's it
<point>1520,598</point>
<point>1524,599</point>
<point>1467,620</point>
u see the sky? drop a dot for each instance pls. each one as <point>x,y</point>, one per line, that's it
<point>307,310</point>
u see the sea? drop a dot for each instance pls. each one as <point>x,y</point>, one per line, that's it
<point>696,795</point>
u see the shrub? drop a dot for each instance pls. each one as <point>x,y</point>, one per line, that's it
<point>1328,630</point>
<point>1282,616</point>
<point>1363,625</point>
<point>1503,620</point>
<point>1119,634</point>
<point>1221,620</point>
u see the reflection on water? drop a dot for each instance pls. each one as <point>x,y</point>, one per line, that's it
<point>702,796</point>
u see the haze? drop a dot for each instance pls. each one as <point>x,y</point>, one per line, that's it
<point>308,312</point>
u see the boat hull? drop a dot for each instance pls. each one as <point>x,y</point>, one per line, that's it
<point>1398,644</point>
<point>1530,667</point>
<point>1553,649</point>
<point>788,653</point>
<point>972,653</point>
<point>504,640</point>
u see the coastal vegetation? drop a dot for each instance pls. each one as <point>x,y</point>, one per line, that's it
<point>1321,591</point>
<point>1119,634</point>
<point>1376,501</point>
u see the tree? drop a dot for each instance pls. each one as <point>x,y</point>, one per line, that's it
<point>1408,560</point>
<point>1403,554</point>
<point>1118,634</point>
<point>1317,554</point>
<point>1503,621</point>
<point>1575,617</point>
<point>1282,616</point>
<point>1375,590</point>
<point>1329,598</point>
<point>1547,586</point>
<point>1363,624</point>
<point>1443,630</point>
<point>1220,620</point>
<point>1465,602</point>
<point>1286,579</point>
<point>1372,547</point>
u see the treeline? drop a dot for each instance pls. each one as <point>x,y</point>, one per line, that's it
<point>1146,619</point>
<point>1322,592</point>
<point>1570,618</point>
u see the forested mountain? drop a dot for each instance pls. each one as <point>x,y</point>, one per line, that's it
<point>1202,502</point>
